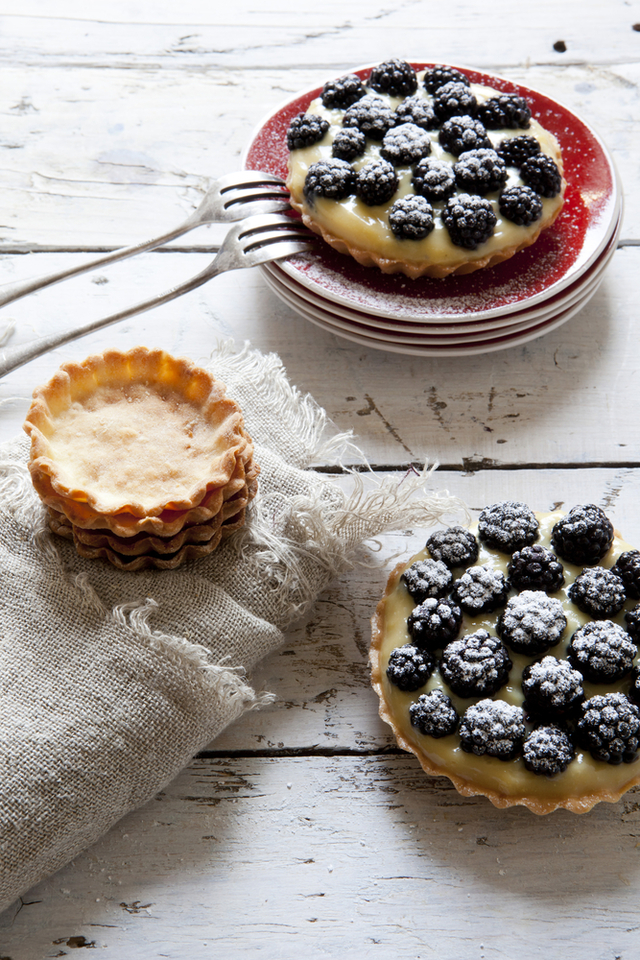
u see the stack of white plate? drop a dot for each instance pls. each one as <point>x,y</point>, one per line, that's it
<point>529,295</point>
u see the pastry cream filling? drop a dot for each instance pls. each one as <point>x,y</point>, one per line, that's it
<point>584,775</point>
<point>368,227</point>
<point>134,441</point>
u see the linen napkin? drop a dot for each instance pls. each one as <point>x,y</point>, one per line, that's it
<point>111,681</point>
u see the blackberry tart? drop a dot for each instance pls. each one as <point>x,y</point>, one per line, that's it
<point>533,701</point>
<point>431,134</point>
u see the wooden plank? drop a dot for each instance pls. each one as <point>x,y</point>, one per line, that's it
<point>321,674</point>
<point>342,856</point>
<point>568,397</point>
<point>291,34</point>
<point>94,157</point>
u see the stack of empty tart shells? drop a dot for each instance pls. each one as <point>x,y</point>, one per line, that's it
<point>140,458</point>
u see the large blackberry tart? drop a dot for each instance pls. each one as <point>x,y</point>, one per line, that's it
<point>448,140</point>
<point>552,718</point>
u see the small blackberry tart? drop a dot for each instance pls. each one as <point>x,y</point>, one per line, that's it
<point>492,176</point>
<point>532,696</point>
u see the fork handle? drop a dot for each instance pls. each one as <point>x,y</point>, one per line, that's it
<point>14,357</point>
<point>14,291</point>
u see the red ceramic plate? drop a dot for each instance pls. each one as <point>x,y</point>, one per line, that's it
<point>557,259</point>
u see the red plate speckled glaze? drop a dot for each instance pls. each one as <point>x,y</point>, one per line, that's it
<point>558,258</point>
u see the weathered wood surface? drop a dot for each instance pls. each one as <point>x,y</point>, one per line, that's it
<point>566,398</point>
<point>302,830</point>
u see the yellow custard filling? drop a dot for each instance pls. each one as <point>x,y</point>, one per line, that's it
<point>367,227</point>
<point>584,778</point>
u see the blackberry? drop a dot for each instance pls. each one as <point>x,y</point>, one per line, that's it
<point>348,143</point>
<point>506,111</point>
<point>634,692</point>
<point>598,592</point>
<point>481,590</point>
<point>480,171</point>
<point>395,77</point>
<point>411,218</point>
<point>434,623</point>
<point>419,111</point>
<point>376,182</point>
<point>438,76</point>
<point>434,715</point>
<point>602,651</point>
<point>427,578</point>
<point>405,144</point>
<point>334,179</point>
<point>454,100</point>
<point>493,727</point>
<point>632,618</point>
<point>542,175</point>
<point>548,751</point>
<point>552,688</point>
<point>535,568</point>
<point>627,567</point>
<point>610,728</point>
<point>515,150</point>
<point>455,546</point>
<point>520,205</point>
<point>583,536</point>
<point>470,220</point>
<point>532,622</point>
<point>434,179</point>
<point>477,665</point>
<point>371,115</point>
<point>463,133</point>
<point>344,91</point>
<point>508,525</point>
<point>409,668</point>
<point>305,130</point>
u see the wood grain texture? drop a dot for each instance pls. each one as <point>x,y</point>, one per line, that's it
<point>372,859</point>
<point>566,398</point>
<point>302,830</point>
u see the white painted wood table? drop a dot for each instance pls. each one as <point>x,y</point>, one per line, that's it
<point>303,831</point>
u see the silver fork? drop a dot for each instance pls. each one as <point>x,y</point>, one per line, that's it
<point>255,240</point>
<point>231,198</point>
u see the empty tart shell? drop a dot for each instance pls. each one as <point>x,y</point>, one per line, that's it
<point>140,459</point>
<point>161,560</point>
<point>232,510</point>
<point>166,524</point>
<point>135,433</point>
<point>584,783</point>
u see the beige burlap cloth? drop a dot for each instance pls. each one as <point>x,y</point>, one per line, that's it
<point>110,682</point>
